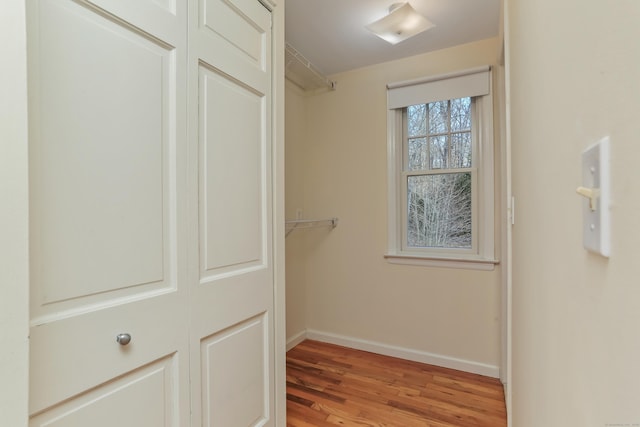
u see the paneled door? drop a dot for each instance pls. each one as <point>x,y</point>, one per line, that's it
<point>109,323</point>
<point>232,280</point>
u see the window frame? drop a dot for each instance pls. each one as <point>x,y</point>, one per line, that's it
<point>481,255</point>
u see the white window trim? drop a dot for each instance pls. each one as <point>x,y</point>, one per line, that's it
<point>482,256</point>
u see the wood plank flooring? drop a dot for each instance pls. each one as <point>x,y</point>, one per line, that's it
<point>329,385</point>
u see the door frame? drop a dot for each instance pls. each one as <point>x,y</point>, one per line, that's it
<point>14,217</point>
<point>277,8</point>
<point>508,203</point>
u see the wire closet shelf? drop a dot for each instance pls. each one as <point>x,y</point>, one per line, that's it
<point>303,74</point>
<point>302,224</point>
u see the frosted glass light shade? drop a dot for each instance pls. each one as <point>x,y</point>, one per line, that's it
<point>400,24</point>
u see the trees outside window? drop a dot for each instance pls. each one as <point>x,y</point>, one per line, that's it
<point>438,161</point>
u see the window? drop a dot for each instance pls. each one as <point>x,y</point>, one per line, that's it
<point>441,171</point>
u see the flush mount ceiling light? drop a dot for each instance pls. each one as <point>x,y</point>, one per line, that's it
<point>401,23</point>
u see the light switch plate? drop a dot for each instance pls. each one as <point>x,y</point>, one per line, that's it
<point>596,228</point>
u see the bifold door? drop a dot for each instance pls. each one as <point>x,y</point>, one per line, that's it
<point>230,113</point>
<point>150,200</point>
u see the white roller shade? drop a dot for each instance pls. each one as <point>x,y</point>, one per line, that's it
<point>472,82</point>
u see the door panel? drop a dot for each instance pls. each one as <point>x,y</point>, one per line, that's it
<point>72,355</point>
<point>144,397</point>
<point>232,280</point>
<point>108,254</point>
<point>235,383</point>
<point>223,47</point>
<point>169,5</point>
<point>231,174</point>
<point>102,187</point>
<point>242,23</point>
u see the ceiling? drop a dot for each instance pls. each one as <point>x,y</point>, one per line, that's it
<point>331,34</point>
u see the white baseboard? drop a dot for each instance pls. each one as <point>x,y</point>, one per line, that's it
<point>400,352</point>
<point>296,339</point>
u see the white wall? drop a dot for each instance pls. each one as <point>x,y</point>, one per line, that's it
<point>14,285</point>
<point>350,289</point>
<point>295,142</point>
<point>575,77</point>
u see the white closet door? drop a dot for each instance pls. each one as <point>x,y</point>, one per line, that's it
<point>107,83</point>
<point>232,366</point>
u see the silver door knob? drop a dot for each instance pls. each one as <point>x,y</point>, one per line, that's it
<point>123,339</point>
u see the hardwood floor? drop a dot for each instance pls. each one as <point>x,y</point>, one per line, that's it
<point>329,385</point>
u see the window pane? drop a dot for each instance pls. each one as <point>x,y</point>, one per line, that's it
<point>418,154</point>
<point>439,211</point>
<point>439,152</point>
<point>439,117</point>
<point>417,120</point>
<point>460,114</point>
<point>461,150</point>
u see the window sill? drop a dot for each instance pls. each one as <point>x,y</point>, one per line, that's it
<point>466,263</point>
